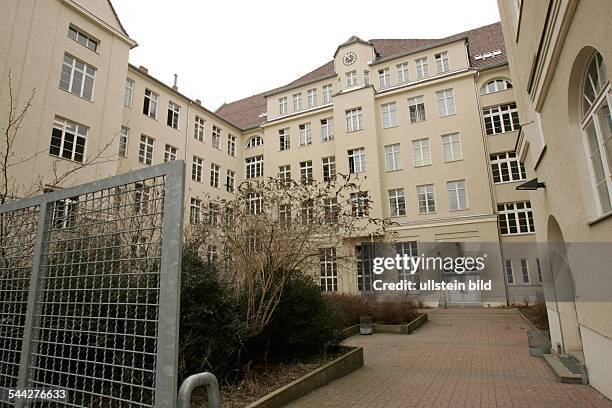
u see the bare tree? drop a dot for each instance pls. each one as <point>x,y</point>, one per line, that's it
<point>10,160</point>
<point>276,227</point>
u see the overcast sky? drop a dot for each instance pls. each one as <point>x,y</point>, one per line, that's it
<point>224,50</point>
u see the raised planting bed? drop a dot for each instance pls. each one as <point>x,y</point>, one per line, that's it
<point>401,328</point>
<point>339,367</point>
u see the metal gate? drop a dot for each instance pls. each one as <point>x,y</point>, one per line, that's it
<point>89,291</point>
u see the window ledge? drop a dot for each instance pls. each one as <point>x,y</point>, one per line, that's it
<point>600,218</point>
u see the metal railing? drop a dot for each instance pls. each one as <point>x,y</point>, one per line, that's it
<point>89,291</point>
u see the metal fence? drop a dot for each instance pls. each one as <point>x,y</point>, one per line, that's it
<point>89,291</point>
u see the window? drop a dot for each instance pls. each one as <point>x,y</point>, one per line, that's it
<point>123,141</point>
<point>421,152</point>
<point>284,215</point>
<point>307,212</point>
<point>77,77</point>
<point>402,73</point>
<point>446,102</point>
<point>212,255</point>
<point>215,171</point>
<point>329,269</point>
<point>357,161</point>
<point>397,203</point>
<point>351,78</point>
<point>410,249</point>
<point>442,62</point>
<point>427,199</point>
<point>199,129</point>
<point>230,181</point>
<point>231,145</point>
<point>142,196</point>
<point>393,158</point>
<point>197,168</point>
<point>149,107</point>
<point>306,172</point>
<point>254,142</point>
<point>327,93</point>
<point>283,106</point>
<point>506,168</point>
<point>354,120</point>
<point>284,174</point>
<point>451,147</point>
<point>515,218</point>
<point>213,215</point>
<point>496,85</point>
<point>216,137</point>
<point>173,115</point>
<point>327,129</point>
<point>284,139</point>
<point>597,127</point>
<point>331,211</point>
<point>384,78</point>
<point>416,106</point>
<point>305,134</point>
<point>360,204</point>
<point>365,255</point>
<point>539,270</point>
<point>255,203</point>
<point>169,153</point>
<point>128,93</point>
<point>68,140</point>
<point>145,151</point>
<point>366,77</point>
<point>457,195</point>
<point>329,168</point>
<point>501,118</point>
<point>195,211</point>
<point>389,115</point>
<point>509,273</point>
<point>82,38</point>
<point>525,270</point>
<point>297,102</point>
<point>312,98</point>
<point>422,68</point>
<point>254,167</point>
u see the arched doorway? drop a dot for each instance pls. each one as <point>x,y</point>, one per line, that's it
<point>563,289</point>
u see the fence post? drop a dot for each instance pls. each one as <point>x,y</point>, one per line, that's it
<point>37,265</point>
<point>169,291</point>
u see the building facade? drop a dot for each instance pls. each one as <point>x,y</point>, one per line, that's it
<point>560,57</point>
<point>431,124</point>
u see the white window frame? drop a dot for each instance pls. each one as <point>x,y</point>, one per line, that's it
<point>284,139</point>
<point>327,93</point>
<point>397,202</point>
<point>82,38</point>
<point>384,78</point>
<point>501,118</point>
<point>354,120</point>
<point>360,204</point>
<point>327,129</point>
<point>231,145</point>
<point>128,93</point>
<point>306,172</point>
<point>174,112</point>
<point>297,102</point>
<point>422,67</point>
<point>305,134</point>
<point>416,108</point>
<point>403,73</point>
<point>393,157</point>
<point>170,153</point>
<point>351,78</point>
<point>328,269</point>
<point>389,115</point>
<point>254,167</point>
<point>78,77</point>
<point>509,272</point>
<point>215,175</point>
<point>150,109</point>
<point>312,97</point>
<point>195,211</point>
<point>197,169</point>
<point>426,197</point>
<point>495,85</point>
<point>421,151</point>
<point>457,189</point>
<point>510,216</point>
<point>124,137</point>
<point>284,173</point>
<point>506,168</point>
<point>366,77</point>
<point>442,64</point>
<point>525,270</point>
<point>357,160</point>
<point>66,137</point>
<point>199,128</point>
<point>451,147</point>
<point>215,140</point>
<point>254,142</point>
<point>446,102</point>
<point>329,168</point>
<point>230,181</point>
<point>145,150</point>
<point>283,105</point>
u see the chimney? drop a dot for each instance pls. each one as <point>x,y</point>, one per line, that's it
<point>175,87</point>
<point>198,102</point>
<point>144,69</point>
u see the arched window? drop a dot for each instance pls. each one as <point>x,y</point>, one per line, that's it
<point>597,127</point>
<point>495,85</point>
<point>255,141</point>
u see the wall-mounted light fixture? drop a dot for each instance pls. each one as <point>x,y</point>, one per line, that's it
<point>532,184</point>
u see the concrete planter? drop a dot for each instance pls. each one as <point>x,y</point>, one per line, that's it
<point>348,332</point>
<point>401,328</point>
<point>340,367</point>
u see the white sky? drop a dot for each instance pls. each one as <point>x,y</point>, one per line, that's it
<point>224,50</point>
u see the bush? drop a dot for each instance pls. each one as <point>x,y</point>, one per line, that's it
<point>351,307</point>
<point>210,321</point>
<point>302,325</point>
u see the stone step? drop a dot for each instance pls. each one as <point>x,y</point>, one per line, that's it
<point>567,369</point>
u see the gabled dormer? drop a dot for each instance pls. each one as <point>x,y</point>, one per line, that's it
<point>351,61</point>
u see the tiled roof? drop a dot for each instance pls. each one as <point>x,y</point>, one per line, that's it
<point>245,113</point>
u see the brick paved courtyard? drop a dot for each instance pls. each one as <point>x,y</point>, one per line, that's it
<point>460,358</point>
